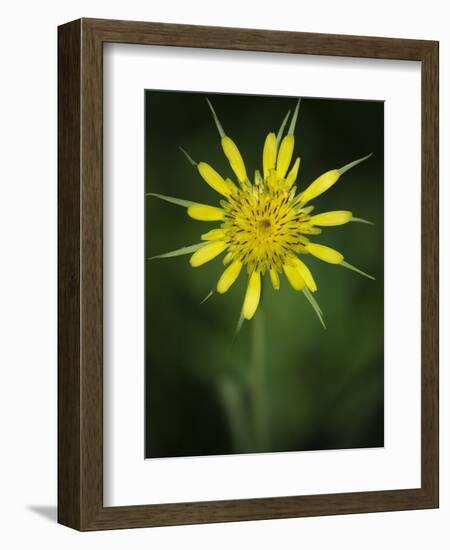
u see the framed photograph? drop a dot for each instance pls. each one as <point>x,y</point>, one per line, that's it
<point>248,274</point>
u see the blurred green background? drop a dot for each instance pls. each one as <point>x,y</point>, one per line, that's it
<point>323,388</point>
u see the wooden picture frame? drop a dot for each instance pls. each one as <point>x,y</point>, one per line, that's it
<point>80,271</point>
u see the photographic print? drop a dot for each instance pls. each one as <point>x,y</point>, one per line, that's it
<point>264,304</point>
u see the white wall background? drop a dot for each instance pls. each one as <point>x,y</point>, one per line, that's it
<point>28,273</point>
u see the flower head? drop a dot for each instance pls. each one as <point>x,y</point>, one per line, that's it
<point>265,226</point>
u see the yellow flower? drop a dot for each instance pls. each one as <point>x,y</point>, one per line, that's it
<point>265,226</point>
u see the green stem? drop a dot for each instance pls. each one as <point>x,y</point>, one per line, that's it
<point>257,388</point>
<point>234,408</point>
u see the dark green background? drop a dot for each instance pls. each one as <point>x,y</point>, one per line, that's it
<point>324,388</point>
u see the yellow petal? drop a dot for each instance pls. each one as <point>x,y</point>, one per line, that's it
<point>228,257</point>
<point>205,213</point>
<point>269,154</point>
<point>213,179</point>
<point>228,277</point>
<point>207,253</point>
<point>234,158</point>
<point>275,279</point>
<point>258,178</point>
<point>305,273</point>
<point>272,180</point>
<point>325,253</point>
<point>325,181</point>
<point>252,295</point>
<point>292,176</point>
<point>285,155</point>
<point>294,277</point>
<point>320,185</point>
<point>214,235</point>
<point>308,229</point>
<point>231,186</point>
<point>337,217</point>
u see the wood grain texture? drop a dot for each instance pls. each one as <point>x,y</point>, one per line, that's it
<point>69,245</point>
<point>430,272</point>
<point>80,242</point>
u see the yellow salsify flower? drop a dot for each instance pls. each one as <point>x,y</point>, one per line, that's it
<point>264,226</point>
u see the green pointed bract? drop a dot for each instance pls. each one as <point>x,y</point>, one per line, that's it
<point>239,325</point>
<point>350,165</point>
<point>314,305</point>
<point>310,295</point>
<point>190,159</point>
<point>360,220</point>
<point>283,125</point>
<point>173,200</point>
<point>216,119</point>
<point>179,251</point>
<point>353,268</point>
<point>294,119</point>
<point>207,297</point>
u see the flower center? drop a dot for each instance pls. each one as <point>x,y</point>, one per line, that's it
<point>265,225</point>
<point>262,228</point>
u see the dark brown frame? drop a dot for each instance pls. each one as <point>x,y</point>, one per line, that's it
<point>80,414</point>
